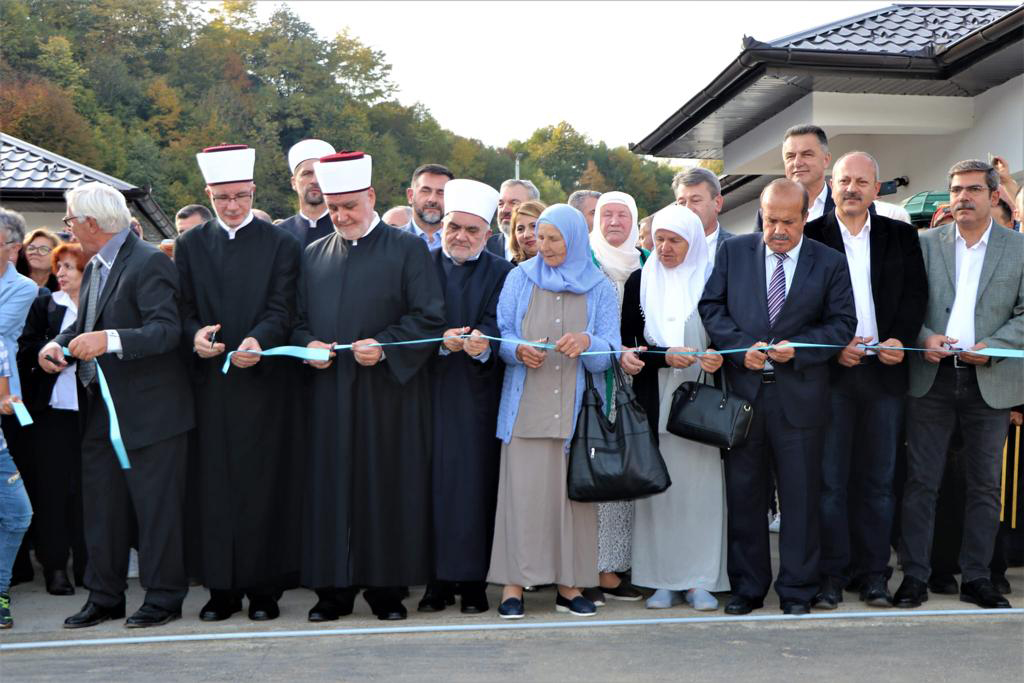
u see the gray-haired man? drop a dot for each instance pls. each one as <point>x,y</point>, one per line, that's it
<point>698,189</point>
<point>513,193</point>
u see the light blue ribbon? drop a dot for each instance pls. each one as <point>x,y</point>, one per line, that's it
<point>300,352</point>
<point>115,427</point>
<point>21,412</point>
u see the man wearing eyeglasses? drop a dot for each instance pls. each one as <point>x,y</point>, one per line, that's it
<point>238,276</point>
<point>975,301</point>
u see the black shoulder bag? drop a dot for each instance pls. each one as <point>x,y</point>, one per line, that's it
<point>614,461</point>
<point>709,415</point>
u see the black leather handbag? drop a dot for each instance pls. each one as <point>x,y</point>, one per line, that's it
<point>709,415</point>
<point>614,461</point>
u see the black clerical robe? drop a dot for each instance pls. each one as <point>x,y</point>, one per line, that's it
<point>249,473</point>
<point>466,396</point>
<point>298,226</point>
<point>368,485</point>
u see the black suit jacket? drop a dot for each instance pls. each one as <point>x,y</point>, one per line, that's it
<point>151,392</point>
<point>819,309</point>
<point>899,284</point>
<point>830,206</point>
<point>298,227</point>
<point>42,324</point>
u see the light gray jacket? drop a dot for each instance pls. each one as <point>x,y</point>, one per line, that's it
<point>998,311</point>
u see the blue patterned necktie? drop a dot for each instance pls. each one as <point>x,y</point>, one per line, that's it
<point>87,369</point>
<point>777,290</point>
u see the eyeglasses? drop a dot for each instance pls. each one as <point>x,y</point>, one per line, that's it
<point>68,220</point>
<point>228,198</point>
<point>970,189</point>
<point>41,249</point>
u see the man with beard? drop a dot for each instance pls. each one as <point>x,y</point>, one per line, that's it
<point>513,193</point>
<point>426,197</point>
<point>368,485</point>
<point>238,278</point>
<point>312,221</point>
<point>467,384</point>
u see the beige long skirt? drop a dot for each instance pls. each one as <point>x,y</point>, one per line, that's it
<point>540,536</point>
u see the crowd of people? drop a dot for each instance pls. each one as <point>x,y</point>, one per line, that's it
<point>356,404</point>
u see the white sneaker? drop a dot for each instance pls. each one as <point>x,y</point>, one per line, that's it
<point>775,523</point>
<point>133,564</point>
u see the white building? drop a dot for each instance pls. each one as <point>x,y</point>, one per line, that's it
<point>920,87</point>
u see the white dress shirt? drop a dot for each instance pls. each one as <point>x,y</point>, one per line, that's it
<point>858,258</point>
<point>788,265</point>
<point>313,221</point>
<point>233,231</point>
<point>817,207</point>
<point>969,261</point>
<point>65,391</point>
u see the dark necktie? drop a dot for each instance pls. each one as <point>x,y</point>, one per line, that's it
<point>777,290</point>
<point>87,369</point>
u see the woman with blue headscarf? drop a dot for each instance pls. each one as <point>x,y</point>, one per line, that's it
<point>561,298</point>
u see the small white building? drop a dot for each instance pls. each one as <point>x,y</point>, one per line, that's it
<point>918,86</point>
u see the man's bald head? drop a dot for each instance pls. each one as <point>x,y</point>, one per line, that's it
<point>783,212</point>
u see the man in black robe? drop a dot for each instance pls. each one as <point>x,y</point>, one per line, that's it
<point>238,276</point>
<point>312,221</point>
<point>467,377</point>
<point>368,485</point>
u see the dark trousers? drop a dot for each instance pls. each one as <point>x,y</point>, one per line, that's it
<point>747,472</point>
<point>954,396</point>
<point>57,490</point>
<point>154,489</point>
<point>858,462</point>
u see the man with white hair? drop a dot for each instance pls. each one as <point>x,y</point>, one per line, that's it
<point>514,192</point>
<point>467,384</point>
<point>130,328</point>
<point>312,221</point>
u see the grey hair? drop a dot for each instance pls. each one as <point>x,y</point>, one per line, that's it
<point>696,176</point>
<point>972,165</point>
<point>874,162</point>
<point>13,225</point>
<point>577,198</point>
<point>808,129</point>
<point>102,203</point>
<point>531,189</point>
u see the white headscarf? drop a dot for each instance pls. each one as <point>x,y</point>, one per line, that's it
<point>618,262</point>
<point>668,296</point>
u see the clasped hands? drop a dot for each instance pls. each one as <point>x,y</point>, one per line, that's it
<point>852,353</point>
<point>86,346</point>
<point>455,341</point>
<point>940,346</point>
<point>205,347</point>
<point>755,357</point>
<point>367,352</point>
<point>676,357</point>
<point>570,344</point>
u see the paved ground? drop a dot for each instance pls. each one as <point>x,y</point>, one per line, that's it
<point>886,644</point>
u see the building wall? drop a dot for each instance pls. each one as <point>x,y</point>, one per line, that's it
<point>44,214</point>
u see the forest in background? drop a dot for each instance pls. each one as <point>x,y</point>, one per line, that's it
<point>135,88</point>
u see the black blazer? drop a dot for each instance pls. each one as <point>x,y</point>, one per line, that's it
<point>819,309</point>
<point>298,227</point>
<point>42,324</point>
<point>151,392</point>
<point>899,284</point>
<point>830,206</point>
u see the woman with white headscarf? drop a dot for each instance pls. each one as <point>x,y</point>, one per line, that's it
<point>679,536</point>
<point>614,245</point>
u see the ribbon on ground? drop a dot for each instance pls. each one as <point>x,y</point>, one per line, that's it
<point>21,412</point>
<point>300,352</point>
<point>115,426</point>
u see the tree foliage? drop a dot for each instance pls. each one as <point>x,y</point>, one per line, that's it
<point>136,87</point>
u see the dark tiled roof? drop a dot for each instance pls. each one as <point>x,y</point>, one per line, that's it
<point>897,29</point>
<point>24,166</point>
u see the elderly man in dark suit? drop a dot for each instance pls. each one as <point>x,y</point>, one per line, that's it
<point>768,290</point>
<point>975,301</point>
<point>130,327</point>
<point>890,291</point>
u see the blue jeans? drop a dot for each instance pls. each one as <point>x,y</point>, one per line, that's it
<point>15,515</point>
<point>857,501</point>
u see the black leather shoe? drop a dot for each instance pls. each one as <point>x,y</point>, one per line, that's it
<point>875,592</point>
<point>742,605</point>
<point>830,594</point>
<point>219,609</point>
<point>333,604</point>
<point>943,584</point>
<point>1001,584</point>
<point>386,603</point>
<point>92,614</point>
<point>474,598</point>
<point>911,593</point>
<point>151,615</point>
<point>57,583</point>
<point>982,593</point>
<point>263,609</point>
<point>795,607</point>
<point>439,594</point>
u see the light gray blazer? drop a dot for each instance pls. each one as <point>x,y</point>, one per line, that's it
<point>998,311</point>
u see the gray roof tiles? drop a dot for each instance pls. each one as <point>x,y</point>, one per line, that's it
<point>24,166</point>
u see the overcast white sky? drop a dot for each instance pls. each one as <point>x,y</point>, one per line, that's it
<point>496,71</point>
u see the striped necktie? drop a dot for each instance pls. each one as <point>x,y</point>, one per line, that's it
<point>87,369</point>
<point>777,290</point>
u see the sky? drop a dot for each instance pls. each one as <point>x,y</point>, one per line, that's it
<point>497,71</point>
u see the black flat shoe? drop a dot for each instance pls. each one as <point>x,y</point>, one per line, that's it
<point>982,593</point>
<point>579,606</point>
<point>1001,584</point>
<point>438,595</point>
<point>875,593</point>
<point>92,614</point>
<point>795,607</point>
<point>595,595</point>
<point>151,615</point>
<point>512,608</point>
<point>57,583</point>
<point>474,598</point>
<point>219,609</point>
<point>911,593</point>
<point>624,591</point>
<point>943,584</point>
<point>742,605</point>
<point>263,609</point>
